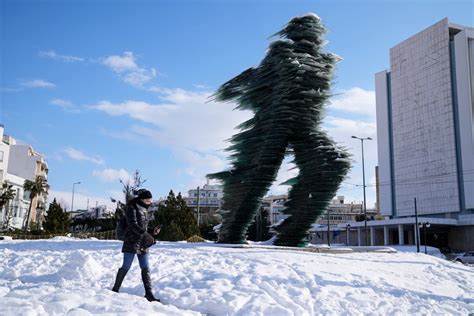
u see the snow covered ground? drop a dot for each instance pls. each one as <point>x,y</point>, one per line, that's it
<point>74,277</point>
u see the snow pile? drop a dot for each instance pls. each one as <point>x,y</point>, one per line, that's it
<point>74,277</point>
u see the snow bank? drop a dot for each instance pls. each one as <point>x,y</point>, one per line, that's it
<point>429,250</point>
<point>75,276</point>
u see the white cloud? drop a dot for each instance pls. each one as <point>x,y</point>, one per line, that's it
<point>53,55</point>
<point>65,105</point>
<point>199,164</point>
<point>81,200</point>
<point>123,135</point>
<point>341,128</point>
<point>185,119</point>
<point>128,69</point>
<point>121,63</point>
<point>76,154</point>
<point>38,83</point>
<point>150,113</point>
<point>201,86</point>
<point>111,175</point>
<point>355,100</point>
<point>9,89</point>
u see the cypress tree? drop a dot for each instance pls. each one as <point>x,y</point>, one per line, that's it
<point>56,220</point>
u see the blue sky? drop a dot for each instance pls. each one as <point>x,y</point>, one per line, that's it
<point>102,88</point>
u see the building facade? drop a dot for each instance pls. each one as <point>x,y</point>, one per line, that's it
<point>274,205</point>
<point>19,163</point>
<point>209,199</point>
<point>425,134</point>
<point>340,212</point>
<point>96,212</point>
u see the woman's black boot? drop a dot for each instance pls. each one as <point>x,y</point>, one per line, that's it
<point>119,279</point>
<point>147,284</point>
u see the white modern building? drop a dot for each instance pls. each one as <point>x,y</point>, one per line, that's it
<point>425,135</point>
<point>18,163</point>
<point>209,199</point>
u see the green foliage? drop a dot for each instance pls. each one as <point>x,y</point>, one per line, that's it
<point>176,219</point>
<point>37,187</point>
<point>56,220</point>
<point>207,229</point>
<point>7,194</point>
<point>94,224</point>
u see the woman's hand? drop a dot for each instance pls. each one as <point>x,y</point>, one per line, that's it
<point>157,230</point>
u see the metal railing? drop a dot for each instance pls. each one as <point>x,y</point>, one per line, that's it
<point>108,235</point>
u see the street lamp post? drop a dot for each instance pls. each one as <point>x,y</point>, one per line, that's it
<point>425,225</point>
<point>348,230</point>
<point>72,200</point>
<point>363,184</point>
<point>329,230</point>
<point>198,200</point>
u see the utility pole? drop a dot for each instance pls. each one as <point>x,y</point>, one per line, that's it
<point>417,236</point>
<point>329,230</point>
<point>363,183</point>
<point>198,200</point>
<point>72,200</point>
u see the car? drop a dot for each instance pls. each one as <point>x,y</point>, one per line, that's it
<point>6,238</point>
<point>467,258</point>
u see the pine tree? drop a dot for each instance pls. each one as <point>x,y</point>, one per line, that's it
<point>56,220</point>
<point>176,219</point>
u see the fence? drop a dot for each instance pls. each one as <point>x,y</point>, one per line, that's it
<point>108,235</point>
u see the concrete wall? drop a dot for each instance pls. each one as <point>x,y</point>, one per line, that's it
<point>464,70</point>
<point>425,163</point>
<point>5,149</point>
<point>21,164</point>
<point>383,143</point>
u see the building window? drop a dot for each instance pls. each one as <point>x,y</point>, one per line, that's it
<point>1,155</point>
<point>215,194</point>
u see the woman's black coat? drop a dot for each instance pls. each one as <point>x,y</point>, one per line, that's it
<point>137,239</point>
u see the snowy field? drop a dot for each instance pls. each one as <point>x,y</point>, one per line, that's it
<point>74,277</point>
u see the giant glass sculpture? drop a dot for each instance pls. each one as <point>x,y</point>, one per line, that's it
<point>288,93</point>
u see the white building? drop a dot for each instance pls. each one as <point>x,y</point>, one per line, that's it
<point>425,134</point>
<point>209,198</point>
<point>19,163</point>
<point>274,205</point>
<point>96,212</point>
<point>340,212</point>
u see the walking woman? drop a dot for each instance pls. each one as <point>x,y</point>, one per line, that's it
<point>137,240</point>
